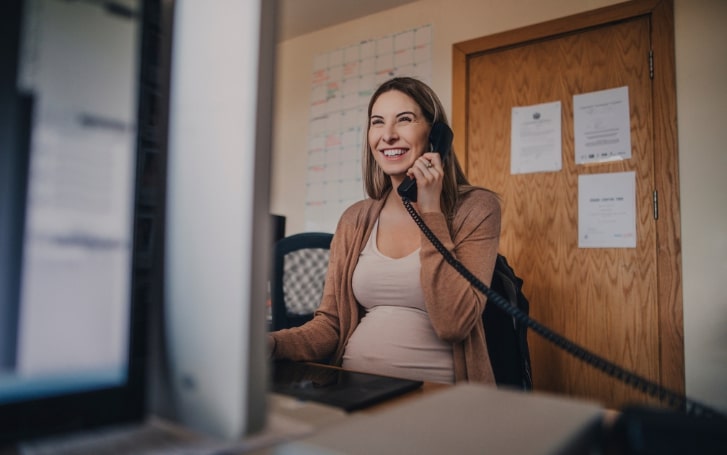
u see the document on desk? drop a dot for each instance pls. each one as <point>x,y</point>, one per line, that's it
<point>464,419</point>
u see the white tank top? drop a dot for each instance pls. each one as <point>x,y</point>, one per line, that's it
<point>395,337</point>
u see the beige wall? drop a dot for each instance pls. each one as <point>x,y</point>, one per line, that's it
<point>701,71</point>
<point>701,97</point>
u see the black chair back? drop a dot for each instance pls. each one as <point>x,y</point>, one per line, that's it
<point>300,262</point>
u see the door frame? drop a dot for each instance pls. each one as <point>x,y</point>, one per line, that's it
<point>666,156</point>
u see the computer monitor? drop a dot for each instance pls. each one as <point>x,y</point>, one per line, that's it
<point>82,216</point>
<point>70,357</point>
<point>218,218</point>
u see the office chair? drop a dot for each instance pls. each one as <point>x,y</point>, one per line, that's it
<point>300,262</point>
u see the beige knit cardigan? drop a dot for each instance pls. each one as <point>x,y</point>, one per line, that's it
<point>454,306</point>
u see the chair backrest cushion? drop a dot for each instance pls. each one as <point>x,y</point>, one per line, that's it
<point>304,273</point>
<point>299,270</point>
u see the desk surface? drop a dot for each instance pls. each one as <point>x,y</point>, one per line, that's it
<point>439,418</point>
<point>442,418</point>
<point>287,414</point>
<point>461,419</point>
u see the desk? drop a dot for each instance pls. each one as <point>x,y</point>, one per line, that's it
<point>291,418</point>
<point>469,418</point>
<point>462,419</point>
<point>443,418</point>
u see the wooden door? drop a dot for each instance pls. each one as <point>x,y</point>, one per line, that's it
<point>614,302</point>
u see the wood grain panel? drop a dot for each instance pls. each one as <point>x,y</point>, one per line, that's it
<point>666,169</point>
<point>607,300</point>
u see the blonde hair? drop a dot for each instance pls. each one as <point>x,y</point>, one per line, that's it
<point>376,183</point>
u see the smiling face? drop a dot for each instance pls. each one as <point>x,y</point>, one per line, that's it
<point>398,133</point>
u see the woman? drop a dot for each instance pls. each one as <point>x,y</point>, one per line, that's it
<point>391,305</point>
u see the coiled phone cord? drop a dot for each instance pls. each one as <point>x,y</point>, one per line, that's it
<point>674,399</point>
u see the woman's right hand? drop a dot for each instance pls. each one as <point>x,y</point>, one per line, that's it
<point>429,175</point>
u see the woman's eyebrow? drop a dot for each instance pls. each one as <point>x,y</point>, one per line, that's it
<point>376,116</point>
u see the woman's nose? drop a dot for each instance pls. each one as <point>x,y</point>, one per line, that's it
<point>389,133</point>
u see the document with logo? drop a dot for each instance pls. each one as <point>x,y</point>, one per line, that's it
<point>535,141</point>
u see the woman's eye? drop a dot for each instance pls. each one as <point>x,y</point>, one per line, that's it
<point>376,121</point>
<point>405,119</point>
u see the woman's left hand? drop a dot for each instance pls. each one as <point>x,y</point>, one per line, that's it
<point>429,175</point>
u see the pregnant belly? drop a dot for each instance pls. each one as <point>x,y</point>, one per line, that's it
<point>399,341</point>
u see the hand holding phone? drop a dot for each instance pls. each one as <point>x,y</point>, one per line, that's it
<point>440,139</point>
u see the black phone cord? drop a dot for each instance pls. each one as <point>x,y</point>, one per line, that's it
<point>674,399</point>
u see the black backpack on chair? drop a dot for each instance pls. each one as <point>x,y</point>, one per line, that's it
<point>507,342</point>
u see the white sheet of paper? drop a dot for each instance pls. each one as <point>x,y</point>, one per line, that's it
<point>535,139</point>
<point>607,210</point>
<point>602,125</point>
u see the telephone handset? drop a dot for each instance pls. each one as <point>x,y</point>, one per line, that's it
<point>440,139</point>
